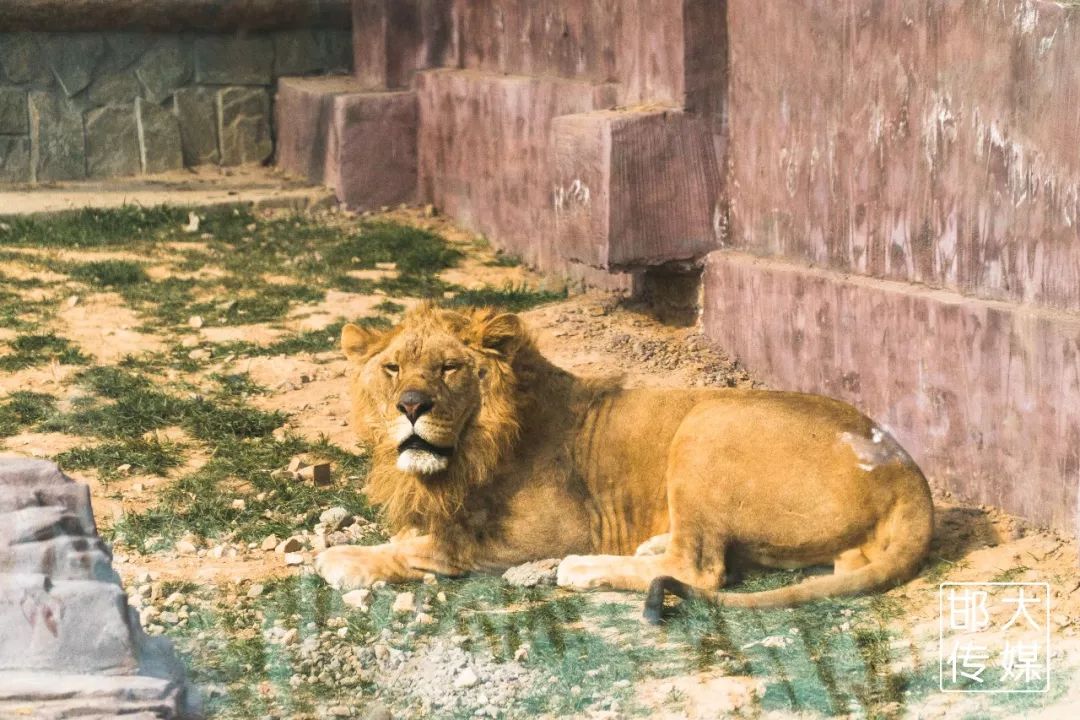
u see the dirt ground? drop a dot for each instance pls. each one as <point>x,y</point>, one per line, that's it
<point>192,532</point>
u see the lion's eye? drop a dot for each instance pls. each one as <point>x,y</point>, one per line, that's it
<point>390,368</point>
<point>450,367</point>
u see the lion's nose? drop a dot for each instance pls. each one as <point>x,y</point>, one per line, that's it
<point>414,403</point>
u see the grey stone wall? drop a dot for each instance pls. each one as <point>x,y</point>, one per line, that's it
<point>95,105</point>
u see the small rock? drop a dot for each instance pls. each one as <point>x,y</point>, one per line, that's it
<point>405,602</point>
<point>424,619</point>
<point>239,504</point>
<point>270,542</point>
<point>531,574</point>
<point>466,679</point>
<point>217,552</point>
<point>290,636</point>
<point>386,266</point>
<point>294,558</point>
<point>192,223</point>
<point>191,341</point>
<point>290,545</point>
<point>295,464</point>
<point>195,321</point>
<point>199,355</point>
<point>521,654</point>
<point>123,469</point>
<point>169,618</point>
<point>317,474</point>
<point>335,518</point>
<point>357,598</point>
<point>339,711</point>
<point>256,590</point>
<point>186,547</point>
<point>72,301</point>
<point>377,711</point>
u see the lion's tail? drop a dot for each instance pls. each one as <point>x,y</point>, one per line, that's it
<point>909,527</point>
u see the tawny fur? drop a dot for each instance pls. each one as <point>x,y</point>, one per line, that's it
<point>545,464</point>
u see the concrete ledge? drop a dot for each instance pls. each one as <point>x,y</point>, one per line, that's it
<point>302,119</point>
<point>485,152</point>
<point>635,188</point>
<point>362,144</point>
<point>984,394</point>
<point>171,15</point>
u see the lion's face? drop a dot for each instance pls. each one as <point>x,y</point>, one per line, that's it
<point>424,384</point>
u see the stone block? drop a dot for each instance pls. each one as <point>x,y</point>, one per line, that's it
<point>303,108</point>
<point>15,159</point>
<point>984,394</point>
<point>118,88</point>
<point>393,39</point>
<point>14,119</point>
<point>635,188</point>
<point>297,52</point>
<point>960,171</point>
<point>159,138</point>
<point>23,60</point>
<point>73,59</point>
<point>244,125</point>
<point>337,46</point>
<point>485,153</point>
<point>69,644</point>
<point>372,149</point>
<point>124,48</point>
<point>45,626</point>
<point>234,60</point>
<point>196,110</point>
<point>163,69</point>
<point>112,142</point>
<point>58,147</point>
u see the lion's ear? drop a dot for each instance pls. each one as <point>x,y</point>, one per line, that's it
<point>356,340</point>
<point>503,334</point>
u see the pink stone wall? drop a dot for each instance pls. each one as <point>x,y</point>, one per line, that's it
<point>931,141</point>
<point>484,152</point>
<point>984,394</point>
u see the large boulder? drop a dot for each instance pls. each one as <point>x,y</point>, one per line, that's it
<point>70,645</point>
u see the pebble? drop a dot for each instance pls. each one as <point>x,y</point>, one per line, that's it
<point>256,590</point>
<point>270,542</point>
<point>290,545</point>
<point>195,321</point>
<point>466,679</point>
<point>294,559</point>
<point>357,598</point>
<point>186,547</point>
<point>335,518</point>
<point>405,602</point>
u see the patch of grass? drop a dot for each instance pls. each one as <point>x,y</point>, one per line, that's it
<point>138,406</point>
<point>109,273</point>
<point>201,502</point>
<point>414,251</point>
<point>143,456</point>
<point>29,350</point>
<point>238,384</point>
<point>389,307</point>
<point>23,409</point>
<point>513,298</point>
<point>89,228</point>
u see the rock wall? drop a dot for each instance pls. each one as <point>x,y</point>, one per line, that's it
<point>70,646</point>
<point>107,104</point>
<point>916,190</point>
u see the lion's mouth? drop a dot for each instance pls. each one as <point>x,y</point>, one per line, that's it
<point>415,442</point>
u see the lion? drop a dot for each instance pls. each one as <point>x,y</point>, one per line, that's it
<point>486,455</point>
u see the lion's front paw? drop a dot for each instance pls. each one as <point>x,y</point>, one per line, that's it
<point>581,572</point>
<point>348,567</point>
